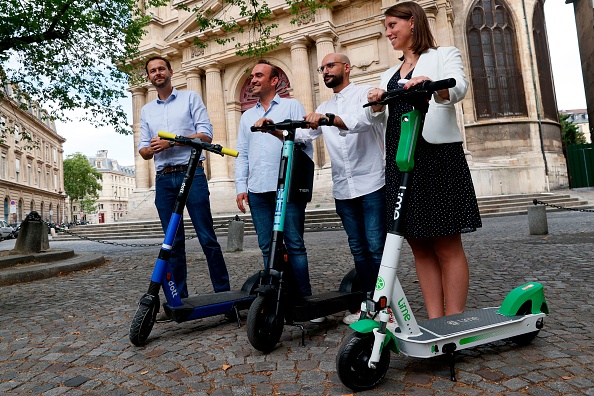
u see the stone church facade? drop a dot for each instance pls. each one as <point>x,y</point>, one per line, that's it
<point>508,119</point>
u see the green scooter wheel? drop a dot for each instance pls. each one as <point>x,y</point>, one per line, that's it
<point>144,319</point>
<point>264,325</point>
<point>352,362</point>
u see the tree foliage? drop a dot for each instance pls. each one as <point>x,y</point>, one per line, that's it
<point>71,54</point>
<point>257,19</point>
<point>570,134</point>
<point>81,180</point>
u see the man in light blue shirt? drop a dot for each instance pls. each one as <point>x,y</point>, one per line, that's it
<point>257,170</point>
<point>182,113</point>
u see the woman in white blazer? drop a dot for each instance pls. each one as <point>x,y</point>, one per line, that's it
<point>442,204</point>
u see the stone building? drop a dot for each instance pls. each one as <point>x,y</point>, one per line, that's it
<point>579,118</point>
<point>584,21</point>
<point>508,119</point>
<point>31,172</point>
<point>118,185</point>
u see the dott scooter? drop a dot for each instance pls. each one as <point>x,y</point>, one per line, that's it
<point>276,302</point>
<point>193,307</point>
<point>364,356</point>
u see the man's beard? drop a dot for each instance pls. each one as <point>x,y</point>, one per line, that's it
<point>334,81</point>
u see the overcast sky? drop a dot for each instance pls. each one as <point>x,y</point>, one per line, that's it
<point>565,59</point>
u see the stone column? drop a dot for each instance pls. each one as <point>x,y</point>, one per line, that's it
<point>194,81</point>
<point>302,84</point>
<point>150,96</point>
<point>140,165</point>
<point>324,46</point>
<point>302,87</point>
<point>216,110</point>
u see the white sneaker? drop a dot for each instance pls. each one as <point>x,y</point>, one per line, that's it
<point>321,319</point>
<point>352,318</point>
<point>391,325</point>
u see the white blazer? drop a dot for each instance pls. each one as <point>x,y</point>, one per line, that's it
<point>437,64</point>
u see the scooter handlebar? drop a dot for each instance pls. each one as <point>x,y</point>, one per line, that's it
<point>289,124</point>
<point>198,143</point>
<point>425,88</point>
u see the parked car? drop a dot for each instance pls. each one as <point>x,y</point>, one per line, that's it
<point>5,230</point>
<point>16,227</point>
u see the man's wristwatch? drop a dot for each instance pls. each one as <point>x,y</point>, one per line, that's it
<point>330,118</point>
<point>171,143</point>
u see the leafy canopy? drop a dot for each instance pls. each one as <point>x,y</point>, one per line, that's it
<point>62,54</point>
<point>255,18</point>
<point>569,132</point>
<point>81,180</point>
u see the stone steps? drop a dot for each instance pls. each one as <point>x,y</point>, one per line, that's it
<point>315,219</point>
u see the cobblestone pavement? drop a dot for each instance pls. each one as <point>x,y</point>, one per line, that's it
<point>69,334</point>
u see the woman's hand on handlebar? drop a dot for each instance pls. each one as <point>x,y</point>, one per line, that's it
<point>374,95</point>
<point>444,93</point>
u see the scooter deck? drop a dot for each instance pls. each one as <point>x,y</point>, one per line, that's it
<point>470,328</point>
<point>326,304</point>
<point>202,306</point>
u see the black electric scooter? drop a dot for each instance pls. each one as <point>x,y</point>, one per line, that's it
<point>276,302</point>
<point>194,307</point>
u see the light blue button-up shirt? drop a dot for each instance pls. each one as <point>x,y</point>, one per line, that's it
<point>182,113</point>
<point>257,166</point>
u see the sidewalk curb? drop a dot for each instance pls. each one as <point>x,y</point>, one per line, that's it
<point>35,271</point>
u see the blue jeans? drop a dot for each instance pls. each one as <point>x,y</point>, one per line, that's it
<point>364,220</point>
<point>262,206</point>
<point>198,205</point>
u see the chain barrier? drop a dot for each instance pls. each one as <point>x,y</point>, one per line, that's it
<point>537,202</point>
<point>123,243</point>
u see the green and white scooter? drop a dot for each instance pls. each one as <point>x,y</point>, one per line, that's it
<point>364,356</point>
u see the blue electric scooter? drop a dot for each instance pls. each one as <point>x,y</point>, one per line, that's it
<point>193,307</point>
<point>277,299</point>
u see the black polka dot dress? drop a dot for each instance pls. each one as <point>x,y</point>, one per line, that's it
<point>442,199</point>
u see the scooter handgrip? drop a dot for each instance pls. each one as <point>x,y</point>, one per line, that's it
<point>440,84</point>
<point>228,151</point>
<point>166,135</point>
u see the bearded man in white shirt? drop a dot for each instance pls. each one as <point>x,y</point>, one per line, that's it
<point>356,148</point>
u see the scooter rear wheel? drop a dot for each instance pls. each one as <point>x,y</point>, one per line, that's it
<point>264,325</point>
<point>524,339</point>
<point>352,362</point>
<point>144,319</point>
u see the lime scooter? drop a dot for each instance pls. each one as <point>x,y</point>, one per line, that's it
<point>276,302</point>
<point>193,307</point>
<point>364,356</point>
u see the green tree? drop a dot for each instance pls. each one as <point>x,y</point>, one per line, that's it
<point>570,134</point>
<point>254,17</point>
<point>71,54</point>
<point>81,181</point>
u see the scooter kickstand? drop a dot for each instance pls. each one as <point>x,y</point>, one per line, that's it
<point>449,350</point>
<point>302,333</point>
<point>237,317</point>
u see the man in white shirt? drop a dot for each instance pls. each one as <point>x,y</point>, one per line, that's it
<point>356,149</point>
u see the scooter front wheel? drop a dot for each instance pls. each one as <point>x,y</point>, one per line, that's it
<point>352,362</point>
<point>144,319</point>
<point>264,324</point>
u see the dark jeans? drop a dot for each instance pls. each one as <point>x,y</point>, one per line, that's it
<point>364,220</point>
<point>198,205</point>
<point>262,207</point>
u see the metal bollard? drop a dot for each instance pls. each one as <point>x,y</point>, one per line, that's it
<point>537,220</point>
<point>235,235</point>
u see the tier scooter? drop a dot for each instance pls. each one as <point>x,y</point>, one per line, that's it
<point>276,302</point>
<point>193,307</point>
<point>364,356</point>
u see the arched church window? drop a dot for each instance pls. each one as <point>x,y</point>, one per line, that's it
<point>543,62</point>
<point>248,101</point>
<point>494,61</point>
